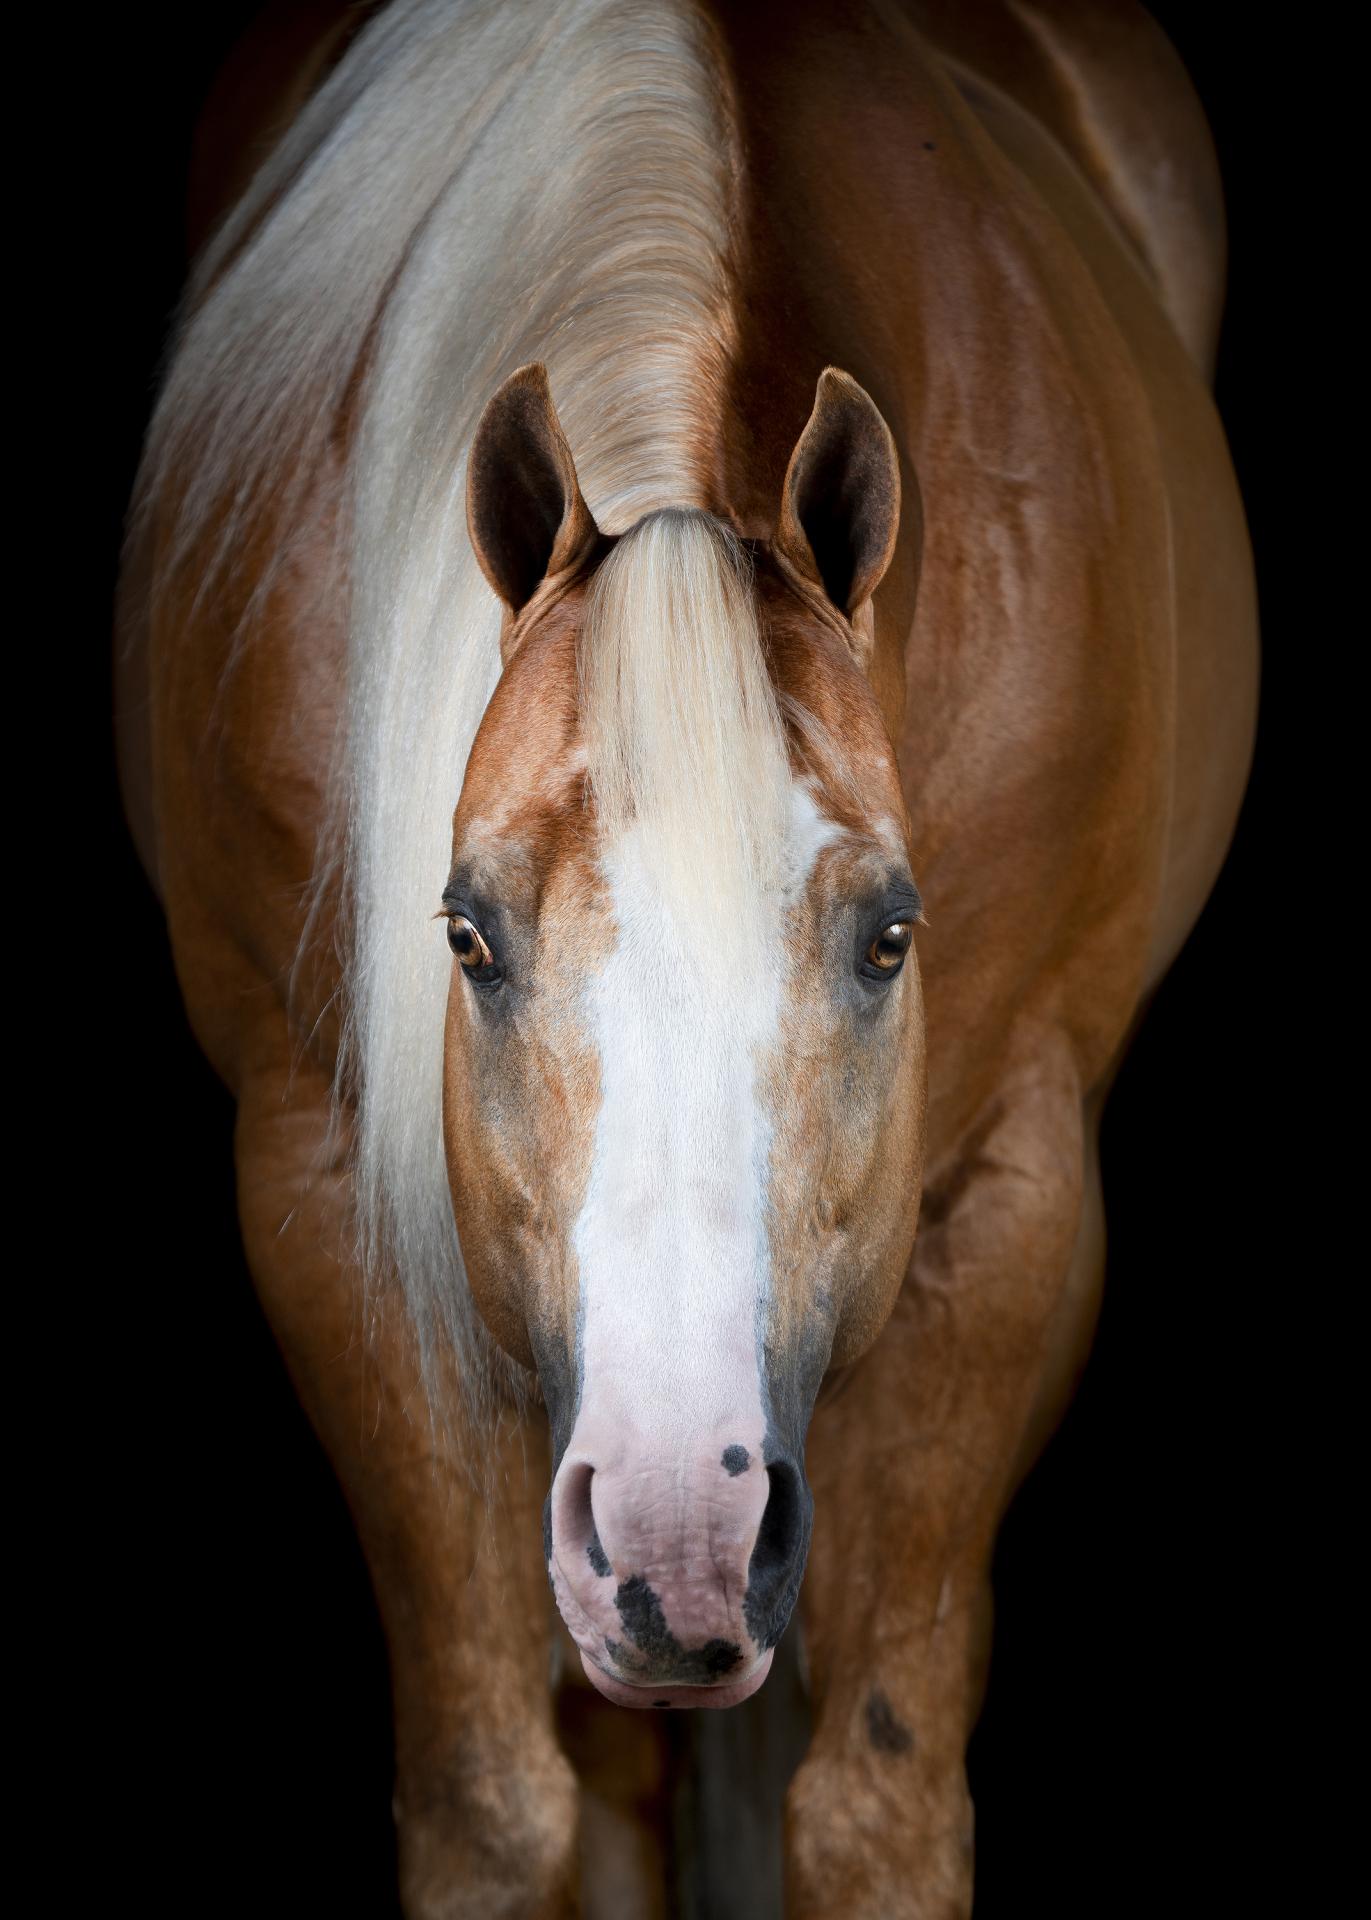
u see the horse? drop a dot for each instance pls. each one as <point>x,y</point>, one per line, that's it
<point>687,662</point>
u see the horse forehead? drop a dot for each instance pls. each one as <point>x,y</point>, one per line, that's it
<point>524,806</point>
<point>527,791</point>
<point>728,980</point>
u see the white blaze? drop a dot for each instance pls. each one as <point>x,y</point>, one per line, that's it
<point>672,1241</point>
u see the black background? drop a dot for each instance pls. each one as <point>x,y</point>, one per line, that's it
<point>1124,1762</point>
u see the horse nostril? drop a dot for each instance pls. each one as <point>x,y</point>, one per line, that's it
<point>778,1557</point>
<point>576,1529</point>
<point>782,1523</point>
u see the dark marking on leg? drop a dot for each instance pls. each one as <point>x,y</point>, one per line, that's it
<point>661,1703</point>
<point>595,1553</point>
<point>736,1460</point>
<point>884,1728</point>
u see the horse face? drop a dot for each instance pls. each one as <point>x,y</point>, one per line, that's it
<point>683,1105</point>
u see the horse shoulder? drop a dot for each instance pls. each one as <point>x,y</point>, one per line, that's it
<point>1187,570</point>
<point>246,678</point>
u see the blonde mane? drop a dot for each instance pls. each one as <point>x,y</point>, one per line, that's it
<point>479,183</point>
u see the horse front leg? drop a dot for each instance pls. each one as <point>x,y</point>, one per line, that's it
<point>912,1459</point>
<point>449,1520</point>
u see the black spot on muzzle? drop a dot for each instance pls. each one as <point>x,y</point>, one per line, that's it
<point>595,1553</point>
<point>660,1655</point>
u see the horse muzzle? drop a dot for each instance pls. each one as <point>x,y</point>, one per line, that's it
<point>675,1576</point>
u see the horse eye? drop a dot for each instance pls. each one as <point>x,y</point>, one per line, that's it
<point>467,944</point>
<point>885,955</point>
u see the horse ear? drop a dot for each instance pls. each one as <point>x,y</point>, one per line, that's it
<point>525,511</point>
<point>840,505</point>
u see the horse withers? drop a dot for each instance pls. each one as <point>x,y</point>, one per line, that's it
<point>757,469</point>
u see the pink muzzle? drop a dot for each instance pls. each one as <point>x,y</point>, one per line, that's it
<point>654,1564</point>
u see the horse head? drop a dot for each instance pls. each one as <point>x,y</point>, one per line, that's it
<point>684,1053</point>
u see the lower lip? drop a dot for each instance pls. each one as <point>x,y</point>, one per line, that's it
<point>624,1695</point>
